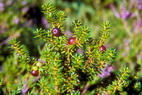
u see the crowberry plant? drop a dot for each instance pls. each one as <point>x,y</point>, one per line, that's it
<point>63,69</point>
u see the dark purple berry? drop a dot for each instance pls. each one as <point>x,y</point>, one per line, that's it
<point>34,73</point>
<point>56,32</point>
<point>102,48</point>
<point>72,40</point>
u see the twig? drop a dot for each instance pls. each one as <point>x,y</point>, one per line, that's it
<point>25,87</point>
<point>85,88</point>
<point>9,38</point>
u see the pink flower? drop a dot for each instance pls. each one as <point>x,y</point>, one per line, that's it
<point>44,22</point>
<point>25,10</point>
<point>1,7</point>
<point>138,26</point>
<point>139,56</point>
<point>106,72</point>
<point>24,2</point>
<point>124,14</point>
<point>9,2</point>
<point>139,4</point>
<point>80,51</point>
<point>68,33</point>
<point>16,20</point>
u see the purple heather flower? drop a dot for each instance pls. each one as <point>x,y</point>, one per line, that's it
<point>117,15</point>
<point>103,93</point>
<point>139,4</point>
<point>127,42</point>
<point>2,31</point>
<point>25,87</point>
<point>42,61</point>
<point>139,56</point>
<point>68,33</point>
<point>80,51</point>
<point>139,23</point>
<point>1,7</point>
<point>104,74</point>
<point>1,4</point>
<point>106,71</point>
<point>138,26</point>
<point>108,68</point>
<point>124,14</point>
<point>106,94</point>
<point>24,2</point>
<point>25,10</point>
<point>9,2</point>
<point>16,20</point>
<point>45,23</point>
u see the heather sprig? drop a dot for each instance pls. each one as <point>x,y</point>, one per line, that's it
<point>120,82</point>
<point>21,50</point>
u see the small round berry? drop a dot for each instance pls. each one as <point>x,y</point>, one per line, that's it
<point>102,48</point>
<point>34,73</point>
<point>56,32</point>
<point>72,40</point>
<point>39,64</point>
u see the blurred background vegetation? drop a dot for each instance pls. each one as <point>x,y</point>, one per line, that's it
<point>19,19</point>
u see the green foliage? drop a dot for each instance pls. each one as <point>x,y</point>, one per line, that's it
<point>138,86</point>
<point>21,51</point>
<point>81,32</point>
<point>120,82</point>
<point>14,75</point>
<point>43,34</point>
<point>56,18</point>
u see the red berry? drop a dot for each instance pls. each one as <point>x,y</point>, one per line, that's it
<point>102,48</point>
<point>56,32</point>
<point>72,40</point>
<point>34,73</point>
